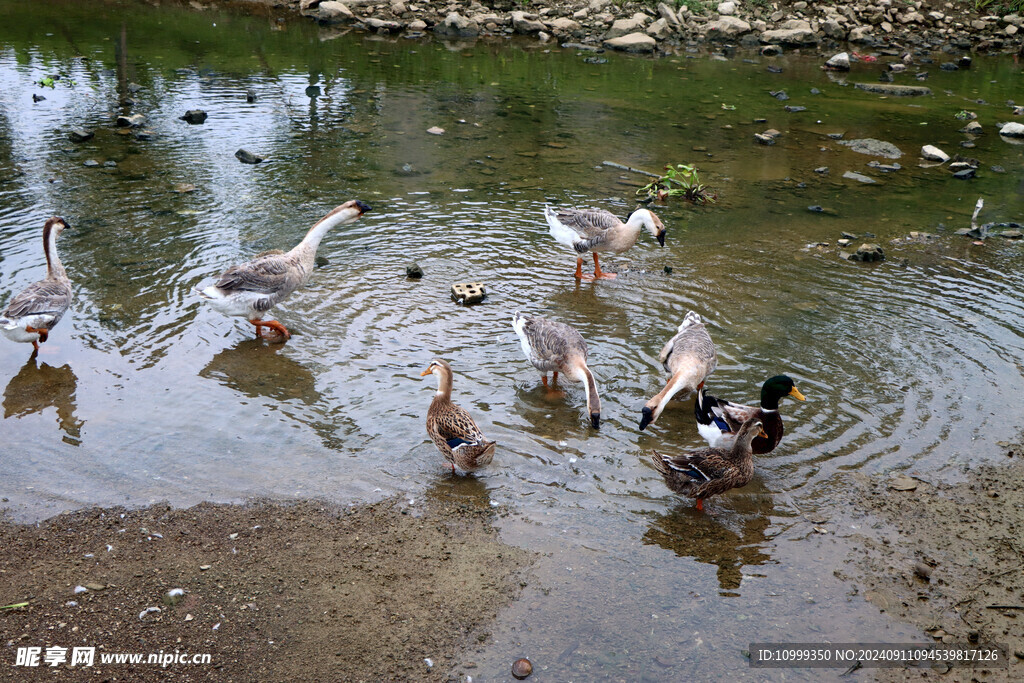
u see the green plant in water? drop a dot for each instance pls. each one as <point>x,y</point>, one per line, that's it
<point>45,82</point>
<point>15,605</point>
<point>680,180</point>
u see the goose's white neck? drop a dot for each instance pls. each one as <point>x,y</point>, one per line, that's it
<point>642,218</point>
<point>312,239</point>
<point>680,380</point>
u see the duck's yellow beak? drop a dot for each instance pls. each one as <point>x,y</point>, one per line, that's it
<point>428,371</point>
<point>795,393</point>
<point>761,432</point>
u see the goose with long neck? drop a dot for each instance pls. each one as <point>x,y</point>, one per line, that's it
<point>689,357</point>
<point>251,289</point>
<point>711,471</point>
<point>596,230</point>
<point>555,347</point>
<point>719,420</point>
<point>451,428</point>
<point>38,308</point>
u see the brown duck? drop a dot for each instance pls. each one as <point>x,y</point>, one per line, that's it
<point>451,428</point>
<point>711,471</point>
<point>718,420</point>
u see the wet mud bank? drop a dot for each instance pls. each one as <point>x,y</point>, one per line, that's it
<point>947,558</point>
<point>304,591</point>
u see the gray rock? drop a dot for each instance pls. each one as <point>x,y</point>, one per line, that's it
<point>727,8</point>
<point>250,95</point>
<point>833,29</point>
<point>668,15</point>
<point>247,157</point>
<point>790,36</point>
<point>194,116</point>
<point>972,128</point>
<point>131,121</point>
<point>859,177</point>
<point>860,34</point>
<point>414,271</point>
<point>1012,130</point>
<point>526,23</point>
<point>877,148</point>
<point>932,153</point>
<point>110,164</point>
<point>821,170</point>
<point>659,30</point>
<point>564,26</point>
<point>331,12</point>
<point>634,42</point>
<point>623,27</point>
<point>966,173</point>
<point>382,25</point>
<point>895,90</point>
<point>839,62</point>
<point>90,163</point>
<point>457,25</point>
<point>80,135</point>
<point>727,28</point>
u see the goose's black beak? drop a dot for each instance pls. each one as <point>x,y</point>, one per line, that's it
<point>363,207</point>
<point>595,419</point>
<point>648,418</point>
<point>661,238</point>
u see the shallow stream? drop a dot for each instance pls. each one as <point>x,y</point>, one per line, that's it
<point>143,394</point>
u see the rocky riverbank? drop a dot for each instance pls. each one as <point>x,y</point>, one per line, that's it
<point>665,27</point>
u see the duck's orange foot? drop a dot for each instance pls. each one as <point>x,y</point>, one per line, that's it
<point>281,332</point>
<point>700,504</point>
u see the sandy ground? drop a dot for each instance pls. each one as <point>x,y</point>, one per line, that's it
<point>948,559</point>
<point>273,592</point>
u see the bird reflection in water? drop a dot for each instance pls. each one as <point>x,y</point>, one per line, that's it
<point>728,541</point>
<point>257,369</point>
<point>260,370</point>
<point>467,491</point>
<point>38,387</point>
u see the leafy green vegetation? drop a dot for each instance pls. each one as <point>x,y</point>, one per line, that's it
<point>681,180</point>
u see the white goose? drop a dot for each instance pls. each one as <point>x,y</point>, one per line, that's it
<point>555,347</point>
<point>689,357</point>
<point>31,315</point>
<point>251,289</point>
<point>597,230</point>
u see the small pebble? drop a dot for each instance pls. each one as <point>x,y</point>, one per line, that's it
<point>522,668</point>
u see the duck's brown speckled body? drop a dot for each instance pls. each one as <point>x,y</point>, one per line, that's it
<point>711,471</point>
<point>452,429</point>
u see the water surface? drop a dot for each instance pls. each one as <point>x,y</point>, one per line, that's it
<point>143,395</point>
